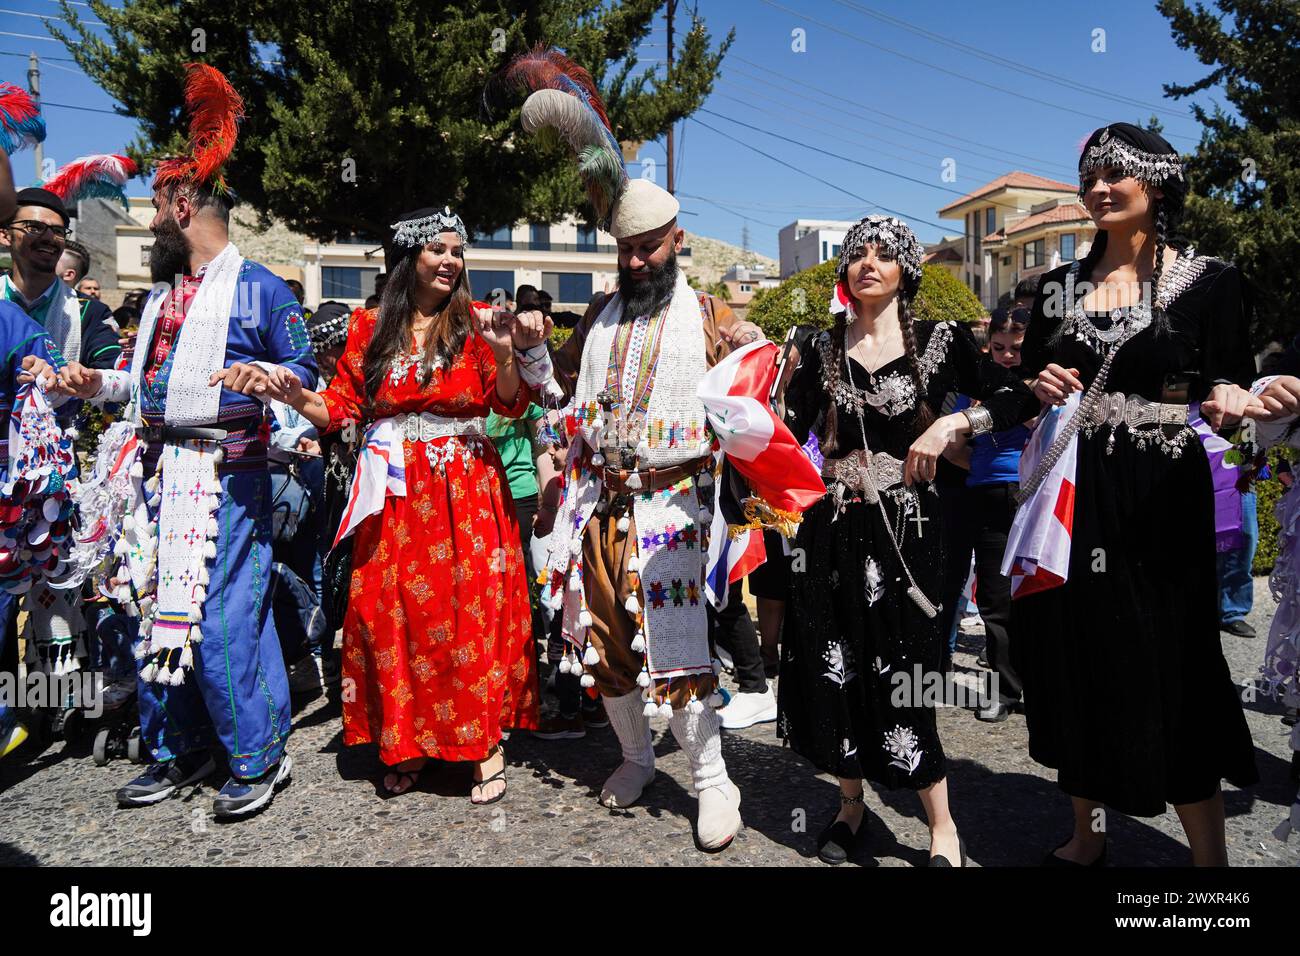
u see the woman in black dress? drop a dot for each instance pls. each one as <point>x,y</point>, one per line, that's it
<point>861,664</point>
<point>1127,693</point>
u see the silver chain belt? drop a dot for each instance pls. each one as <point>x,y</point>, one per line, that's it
<point>1116,408</point>
<point>865,473</point>
<point>426,426</point>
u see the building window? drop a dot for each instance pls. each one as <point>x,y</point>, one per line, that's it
<point>586,238</point>
<point>824,256</point>
<point>1006,260</point>
<point>539,236</point>
<point>977,284</point>
<point>144,256</point>
<point>483,282</point>
<point>970,250</point>
<point>346,282</point>
<point>746,288</point>
<point>1067,247</point>
<point>496,239</point>
<point>571,287</point>
<point>835,250</point>
<point>1035,253</point>
<point>990,220</point>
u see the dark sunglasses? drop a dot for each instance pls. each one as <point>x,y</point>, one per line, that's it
<point>36,229</point>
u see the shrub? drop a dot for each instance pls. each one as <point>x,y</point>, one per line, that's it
<point>805,296</point>
<point>1267,494</point>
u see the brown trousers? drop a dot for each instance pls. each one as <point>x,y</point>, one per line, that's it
<point>605,551</point>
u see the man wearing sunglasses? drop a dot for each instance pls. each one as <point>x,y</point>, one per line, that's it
<point>36,238</point>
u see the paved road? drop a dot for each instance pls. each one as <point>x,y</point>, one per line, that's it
<point>56,807</point>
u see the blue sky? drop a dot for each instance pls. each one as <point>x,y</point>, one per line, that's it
<point>964,84</point>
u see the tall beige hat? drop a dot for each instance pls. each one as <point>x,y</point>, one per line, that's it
<point>642,207</point>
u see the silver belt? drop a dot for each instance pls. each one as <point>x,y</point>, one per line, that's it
<point>868,474</point>
<point>1116,408</point>
<point>426,426</point>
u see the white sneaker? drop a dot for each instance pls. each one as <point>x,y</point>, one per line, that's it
<point>746,710</point>
<point>719,817</point>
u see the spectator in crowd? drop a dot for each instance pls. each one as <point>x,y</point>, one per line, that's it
<point>89,288</point>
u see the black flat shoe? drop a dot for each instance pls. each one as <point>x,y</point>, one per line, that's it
<point>1053,860</point>
<point>993,713</point>
<point>838,841</point>
<point>940,860</point>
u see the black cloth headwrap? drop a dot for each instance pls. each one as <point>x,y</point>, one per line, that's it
<point>36,196</point>
<point>1140,153</point>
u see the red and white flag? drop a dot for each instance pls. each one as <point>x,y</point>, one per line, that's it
<point>1038,547</point>
<point>759,446</point>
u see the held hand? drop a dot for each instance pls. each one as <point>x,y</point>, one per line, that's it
<point>923,457</point>
<point>1228,404</point>
<point>740,334</point>
<point>1279,399</point>
<point>543,521</point>
<point>532,328</point>
<point>496,325</point>
<point>284,386</point>
<point>310,445</point>
<point>127,341</point>
<point>76,379</point>
<point>244,379</point>
<point>1054,384</point>
<point>36,369</point>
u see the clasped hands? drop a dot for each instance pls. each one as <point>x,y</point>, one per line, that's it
<point>76,380</point>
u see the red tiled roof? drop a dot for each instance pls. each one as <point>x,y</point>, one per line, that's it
<point>1013,180</point>
<point>1068,212</point>
<point>947,254</point>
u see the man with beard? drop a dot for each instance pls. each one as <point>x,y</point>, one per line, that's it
<point>194,556</point>
<point>634,517</point>
<point>36,238</point>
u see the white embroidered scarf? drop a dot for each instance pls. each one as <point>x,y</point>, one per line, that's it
<point>62,319</point>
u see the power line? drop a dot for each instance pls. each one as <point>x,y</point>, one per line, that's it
<point>856,162</point>
<point>84,109</point>
<point>28,36</point>
<point>1005,62</point>
<point>61,59</point>
<point>785,118</point>
<point>723,207</point>
<point>942,69</point>
<point>839,98</point>
<point>824,182</point>
<point>41,16</point>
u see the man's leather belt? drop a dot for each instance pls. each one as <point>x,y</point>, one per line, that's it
<point>175,433</point>
<point>652,479</point>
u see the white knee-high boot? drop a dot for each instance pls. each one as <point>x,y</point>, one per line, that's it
<point>699,736</point>
<point>624,786</point>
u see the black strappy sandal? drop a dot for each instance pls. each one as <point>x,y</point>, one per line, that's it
<point>479,784</point>
<point>412,775</point>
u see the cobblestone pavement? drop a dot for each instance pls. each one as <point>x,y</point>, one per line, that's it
<point>56,806</point>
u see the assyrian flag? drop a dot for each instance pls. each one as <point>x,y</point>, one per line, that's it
<point>761,450</point>
<point>381,472</point>
<point>1038,548</point>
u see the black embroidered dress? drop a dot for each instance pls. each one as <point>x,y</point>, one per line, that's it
<point>851,631</point>
<point>1127,693</point>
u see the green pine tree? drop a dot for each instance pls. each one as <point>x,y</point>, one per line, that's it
<point>1245,174</point>
<point>359,110</point>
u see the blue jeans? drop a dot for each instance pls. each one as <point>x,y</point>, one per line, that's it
<point>1236,588</point>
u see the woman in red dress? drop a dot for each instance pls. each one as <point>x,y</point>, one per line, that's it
<point>437,639</point>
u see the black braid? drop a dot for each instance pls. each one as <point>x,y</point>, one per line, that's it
<point>827,441</point>
<point>924,413</point>
<point>1159,320</point>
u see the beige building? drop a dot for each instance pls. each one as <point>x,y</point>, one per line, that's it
<point>569,260</point>
<point>742,282</point>
<point>1016,227</point>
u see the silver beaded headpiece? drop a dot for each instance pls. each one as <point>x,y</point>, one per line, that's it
<point>1149,168</point>
<point>890,234</point>
<point>419,232</point>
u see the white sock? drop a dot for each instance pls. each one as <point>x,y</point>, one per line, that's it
<point>631,726</point>
<point>698,735</point>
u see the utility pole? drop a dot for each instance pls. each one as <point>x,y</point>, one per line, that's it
<point>672,183</point>
<point>744,236</point>
<point>34,87</point>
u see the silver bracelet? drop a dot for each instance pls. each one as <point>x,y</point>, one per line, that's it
<point>980,419</point>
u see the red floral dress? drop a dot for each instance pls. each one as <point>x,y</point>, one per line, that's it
<point>437,638</point>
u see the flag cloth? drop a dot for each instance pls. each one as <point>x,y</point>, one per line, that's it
<point>1038,546</point>
<point>381,471</point>
<point>1228,535</point>
<point>782,482</point>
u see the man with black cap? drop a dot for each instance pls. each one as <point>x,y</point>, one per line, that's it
<point>36,237</point>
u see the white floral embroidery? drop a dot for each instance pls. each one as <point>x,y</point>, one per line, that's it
<point>875,581</point>
<point>901,744</point>
<point>841,665</point>
<point>846,748</point>
<point>935,351</point>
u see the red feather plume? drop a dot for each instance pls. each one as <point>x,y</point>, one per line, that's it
<point>541,69</point>
<point>215,109</point>
<point>103,175</point>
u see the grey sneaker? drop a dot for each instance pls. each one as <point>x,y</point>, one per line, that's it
<point>240,797</point>
<point>161,780</point>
